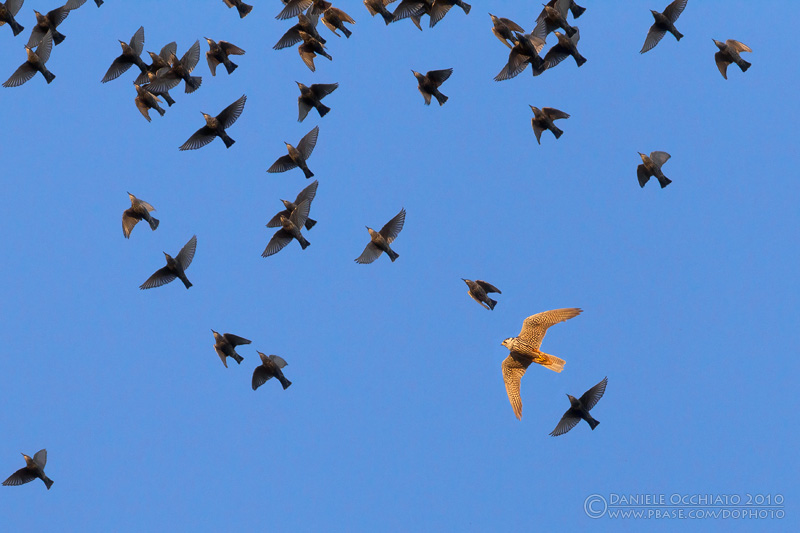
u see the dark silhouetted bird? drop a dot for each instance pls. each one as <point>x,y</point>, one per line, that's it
<point>175,267</point>
<point>290,229</point>
<point>216,126</point>
<point>334,18</point>
<point>566,46</point>
<point>306,194</point>
<point>293,8</point>
<point>525,350</point>
<point>440,8</point>
<point>312,96</point>
<point>729,53</point>
<point>543,120</point>
<point>219,52</point>
<point>167,78</point>
<point>379,241</point>
<point>524,52</point>
<point>35,63</point>
<point>305,23</point>
<point>98,2</point>
<point>318,7</point>
<point>50,22</point>
<point>429,84</point>
<point>309,49</point>
<point>413,9</point>
<point>240,6</point>
<point>164,94</point>
<point>576,10</point>
<point>651,166</point>
<point>553,17</point>
<point>270,368</point>
<point>297,157</point>
<point>139,210</point>
<point>579,409</point>
<point>665,22</point>
<point>478,290</point>
<point>130,56</point>
<point>224,346</point>
<point>504,29</point>
<point>379,6</point>
<point>159,61</point>
<point>7,11</point>
<point>33,468</point>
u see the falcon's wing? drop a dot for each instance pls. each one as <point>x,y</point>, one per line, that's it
<point>535,326</point>
<point>514,368</point>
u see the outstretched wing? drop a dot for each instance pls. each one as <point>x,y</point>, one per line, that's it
<point>514,367</point>
<point>535,326</point>
<point>20,477</point>
<point>393,227</point>
<point>674,10</point>
<point>593,395</point>
<point>308,142</point>
<point>160,277</point>
<point>369,255</point>
<point>488,287</point>
<point>567,422</point>
<point>185,256</point>
<point>229,115</point>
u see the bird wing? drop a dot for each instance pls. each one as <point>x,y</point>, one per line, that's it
<point>200,138</point>
<point>308,142</point>
<point>229,115</point>
<point>514,367</point>
<point>45,47</point>
<point>407,8</point>
<point>293,8</point>
<point>231,49</point>
<point>554,113</point>
<point>593,395</point>
<point>163,81</point>
<point>277,243</point>
<point>369,255</point>
<point>144,204</point>
<point>278,360</point>
<point>275,222</point>
<point>643,175</point>
<point>329,24</point>
<point>300,214</point>
<point>309,193</point>
<point>535,326</point>
<point>511,25</point>
<point>426,95</point>
<point>344,17</point>
<point>25,72</point>
<point>260,376</point>
<point>392,228</point>
<point>137,41</point>
<point>722,63</point>
<point>160,277</point>
<point>567,422</point>
<point>20,477</point>
<point>307,56</point>
<point>13,6</point>
<point>675,9</point>
<point>290,38</point>
<point>537,130</point>
<point>74,4</point>
<point>659,158</point>
<point>303,108</point>
<point>222,355</point>
<point>554,56</point>
<point>168,50</point>
<point>653,37</point>
<point>191,57</point>
<point>37,34</point>
<point>439,76</point>
<point>321,90</point>
<point>40,458</point>
<point>235,340</point>
<point>118,67</point>
<point>212,63</point>
<point>129,220</point>
<point>738,46</point>
<point>58,15</point>
<point>508,71</point>
<point>283,164</point>
<point>185,256</point>
<point>488,287</point>
<point>438,11</point>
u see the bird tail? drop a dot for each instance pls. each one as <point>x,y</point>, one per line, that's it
<point>570,31</point>
<point>440,97</point>
<point>556,364</point>
<point>160,110</point>
<point>327,55</point>
<point>387,17</point>
<point>347,33</point>
<point>392,254</point>
<point>310,223</point>
<point>58,37</point>
<point>579,59</point>
<point>230,66</point>
<point>577,10</point>
<point>285,382</point>
<point>678,35</point>
<point>322,109</point>
<point>98,2</point>
<point>186,281</point>
<point>49,76</point>
<point>167,98</point>
<point>492,303</point>
<point>193,84</point>
<point>16,27</point>
<point>305,244</point>
<point>744,65</point>
<point>308,173</point>
<point>664,181</point>
<point>466,7</point>
<point>557,132</point>
<point>47,481</point>
<point>592,422</point>
<point>244,9</point>
<point>238,358</point>
<point>226,139</point>
<point>153,223</point>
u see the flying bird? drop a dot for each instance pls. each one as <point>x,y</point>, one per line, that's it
<point>33,468</point>
<point>524,52</point>
<point>216,126</point>
<point>145,100</point>
<point>379,6</point>
<point>311,96</point>
<point>566,46</point>
<point>576,10</point>
<point>225,345</point>
<point>241,7</point>
<point>7,11</point>
<point>306,23</point>
<point>504,29</point>
<point>219,52</point>
<point>50,22</point>
<point>310,48</point>
<point>428,84</point>
<point>729,53</point>
<point>269,368</point>
<point>139,210</point>
<point>167,78</point>
<point>159,61</point>
<point>478,290</point>
<point>440,8</point>
<point>525,350</point>
<point>308,194</point>
<point>297,156</point>
<point>665,22</point>
<point>290,229</point>
<point>651,166</point>
<point>175,267</point>
<point>579,409</point>
<point>34,63</point>
<point>334,18</point>
<point>379,241</point>
<point>130,56</point>
<point>553,17</point>
<point>543,120</point>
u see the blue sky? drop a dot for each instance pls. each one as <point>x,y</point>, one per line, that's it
<point>397,418</point>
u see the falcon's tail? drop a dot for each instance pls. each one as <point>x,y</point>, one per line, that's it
<point>552,362</point>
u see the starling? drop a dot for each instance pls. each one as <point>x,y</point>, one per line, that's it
<point>270,367</point>
<point>524,52</point>
<point>318,7</point>
<point>219,52</point>
<point>293,8</point>
<point>543,120</point>
<point>441,7</point>
<point>379,241</point>
<point>564,48</point>
<point>216,126</point>
<point>665,22</point>
<point>159,61</point>
<point>51,22</point>
<point>308,50</point>
<point>33,468</point>
<point>729,53</point>
<point>167,78</point>
<point>240,6</point>
<point>576,10</point>
<point>297,156</point>
<point>224,346</point>
<point>311,96</point>
<point>553,17</point>
<point>525,350</point>
<point>334,18</point>
<point>379,6</point>
<point>430,82</point>
<point>504,29</point>
<point>290,229</point>
<point>305,23</point>
<point>7,11</point>
<point>411,8</point>
<point>164,94</point>
<point>35,62</point>
<point>579,408</point>
<point>175,267</point>
<point>138,210</point>
<point>651,166</point>
<point>306,194</point>
<point>130,56</point>
<point>478,290</point>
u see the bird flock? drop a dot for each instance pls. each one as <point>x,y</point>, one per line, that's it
<point>165,72</point>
